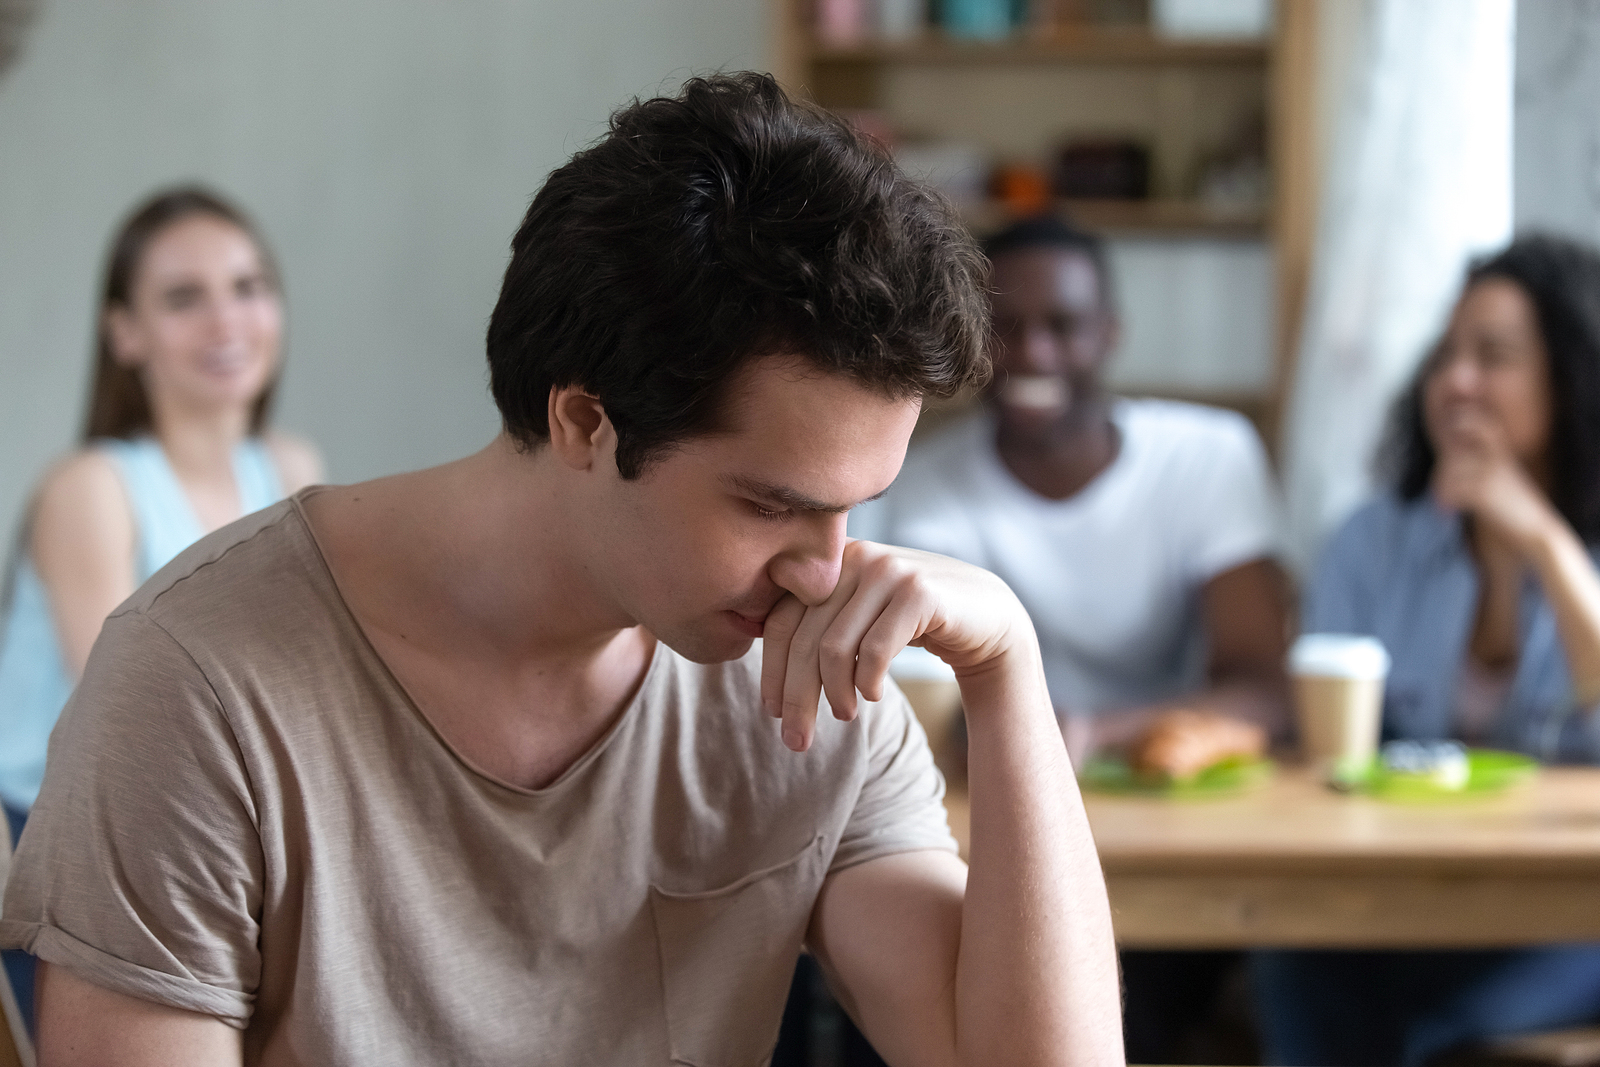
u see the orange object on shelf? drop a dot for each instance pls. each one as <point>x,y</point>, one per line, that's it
<point>1021,189</point>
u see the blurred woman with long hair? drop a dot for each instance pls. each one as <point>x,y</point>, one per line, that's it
<point>1478,570</point>
<point>175,445</point>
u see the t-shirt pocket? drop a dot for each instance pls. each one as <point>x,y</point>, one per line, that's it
<point>727,958</point>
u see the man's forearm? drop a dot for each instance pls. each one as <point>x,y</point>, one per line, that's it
<point>1036,978</point>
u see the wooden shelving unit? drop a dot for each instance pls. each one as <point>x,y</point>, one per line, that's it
<point>1190,91</point>
<point>1073,45</point>
<point>1142,218</point>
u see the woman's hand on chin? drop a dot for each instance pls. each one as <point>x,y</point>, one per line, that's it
<point>1477,473</point>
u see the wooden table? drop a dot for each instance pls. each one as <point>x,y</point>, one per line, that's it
<point>1293,864</point>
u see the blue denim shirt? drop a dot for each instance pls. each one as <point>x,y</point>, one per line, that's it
<point>1402,572</point>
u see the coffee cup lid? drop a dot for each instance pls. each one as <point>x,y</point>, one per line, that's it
<point>1339,656</point>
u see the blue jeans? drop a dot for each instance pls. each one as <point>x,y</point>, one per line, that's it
<point>1377,1009</point>
<point>20,965</point>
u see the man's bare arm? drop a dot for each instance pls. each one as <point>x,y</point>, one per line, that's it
<point>1019,966</point>
<point>83,1025</point>
<point>888,935</point>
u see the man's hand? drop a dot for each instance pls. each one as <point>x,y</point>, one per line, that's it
<point>886,598</point>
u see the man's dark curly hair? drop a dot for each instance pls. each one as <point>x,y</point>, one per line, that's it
<point>724,224</point>
<point>1562,278</point>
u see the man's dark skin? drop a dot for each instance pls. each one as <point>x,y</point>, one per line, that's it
<point>1055,330</point>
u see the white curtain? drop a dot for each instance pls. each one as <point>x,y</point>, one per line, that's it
<point>1419,182</point>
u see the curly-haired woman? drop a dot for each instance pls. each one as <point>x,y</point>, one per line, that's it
<point>1477,569</point>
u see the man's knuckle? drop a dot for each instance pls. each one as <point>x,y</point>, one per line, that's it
<point>836,647</point>
<point>914,584</point>
<point>874,652</point>
<point>882,567</point>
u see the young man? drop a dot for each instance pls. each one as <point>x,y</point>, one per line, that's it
<point>476,763</point>
<point>1140,535</point>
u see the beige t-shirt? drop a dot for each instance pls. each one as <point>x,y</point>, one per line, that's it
<point>245,815</point>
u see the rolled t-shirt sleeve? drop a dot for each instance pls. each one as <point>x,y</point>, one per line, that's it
<point>1227,491</point>
<point>900,807</point>
<point>141,867</point>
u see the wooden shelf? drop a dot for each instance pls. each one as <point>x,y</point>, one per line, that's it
<point>1074,45</point>
<point>1149,218</point>
<point>1181,96</point>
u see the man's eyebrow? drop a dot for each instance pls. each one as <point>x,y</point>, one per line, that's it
<point>793,498</point>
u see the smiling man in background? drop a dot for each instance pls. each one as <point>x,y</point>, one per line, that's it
<point>479,763</point>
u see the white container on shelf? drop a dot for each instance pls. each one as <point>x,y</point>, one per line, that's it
<point>899,20</point>
<point>1212,18</point>
<point>958,170</point>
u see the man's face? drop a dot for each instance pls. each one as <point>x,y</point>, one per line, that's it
<point>701,546</point>
<point>1053,332</point>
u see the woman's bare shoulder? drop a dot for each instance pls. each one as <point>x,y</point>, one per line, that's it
<point>81,497</point>
<point>298,461</point>
<point>85,479</point>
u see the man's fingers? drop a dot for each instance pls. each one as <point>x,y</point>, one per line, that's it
<point>892,630</point>
<point>802,684</point>
<point>776,636</point>
<point>842,645</point>
<point>802,689</point>
<point>863,638</point>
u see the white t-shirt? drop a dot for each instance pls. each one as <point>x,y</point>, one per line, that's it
<point>1112,575</point>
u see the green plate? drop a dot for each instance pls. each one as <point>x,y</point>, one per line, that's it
<point>1111,774</point>
<point>1489,771</point>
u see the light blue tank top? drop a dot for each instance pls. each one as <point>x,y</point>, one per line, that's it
<point>34,681</point>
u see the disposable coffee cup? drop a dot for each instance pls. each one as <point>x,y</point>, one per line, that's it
<point>1338,688</point>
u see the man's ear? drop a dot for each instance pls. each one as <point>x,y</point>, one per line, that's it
<point>580,431</point>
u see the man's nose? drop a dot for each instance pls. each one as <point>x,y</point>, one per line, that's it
<point>810,567</point>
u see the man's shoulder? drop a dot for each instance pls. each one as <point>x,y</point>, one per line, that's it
<point>1180,449</point>
<point>231,572</point>
<point>1179,426</point>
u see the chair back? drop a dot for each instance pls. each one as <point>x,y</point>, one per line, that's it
<point>15,1048</point>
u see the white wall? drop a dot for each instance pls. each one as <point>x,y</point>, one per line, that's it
<point>388,149</point>
<point>1557,185</point>
<point>1197,315</point>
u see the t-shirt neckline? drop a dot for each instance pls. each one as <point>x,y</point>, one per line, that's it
<point>347,621</point>
<point>1102,483</point>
